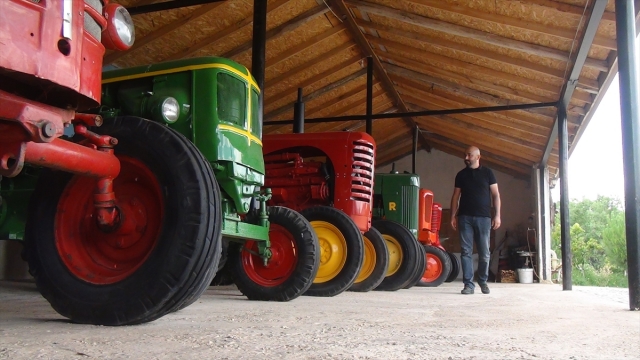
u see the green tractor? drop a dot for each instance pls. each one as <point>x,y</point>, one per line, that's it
<point>398,197</point>
<point>149,241</point>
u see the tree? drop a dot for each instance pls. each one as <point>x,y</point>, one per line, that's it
<point>615,242</point>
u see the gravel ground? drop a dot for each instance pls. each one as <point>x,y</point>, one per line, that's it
<point>516,321</point>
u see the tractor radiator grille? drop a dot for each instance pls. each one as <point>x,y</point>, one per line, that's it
<point>362,170</point>
<point>410,207</point>
<point>90,25</point>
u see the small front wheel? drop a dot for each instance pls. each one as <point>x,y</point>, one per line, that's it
<point>293,264</point>
<point>438,267</point>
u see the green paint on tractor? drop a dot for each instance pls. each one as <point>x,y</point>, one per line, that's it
<point>396,198</point>
<point>216,107</point>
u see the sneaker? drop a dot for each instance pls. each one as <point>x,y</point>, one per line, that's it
<point>484,288</point>
<point>467,291</point>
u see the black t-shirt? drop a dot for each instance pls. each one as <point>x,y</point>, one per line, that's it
<point>475,198</point>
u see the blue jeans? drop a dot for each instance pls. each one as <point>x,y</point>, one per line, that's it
<point>474,229</point>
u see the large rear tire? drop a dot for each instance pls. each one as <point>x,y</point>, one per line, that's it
<point>375,263</point>
<point>421,266</point>
<point>163,262</point>
<point>438,267</point>
<point>292,266</point>
<point>341,250</point>
<point>403,257</point>
<point>455,267</point>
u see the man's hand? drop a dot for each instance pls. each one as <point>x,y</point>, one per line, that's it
<point>454,223</point>
<point>495,222</point>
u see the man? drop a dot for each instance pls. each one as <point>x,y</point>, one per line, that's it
<point>475,188</point>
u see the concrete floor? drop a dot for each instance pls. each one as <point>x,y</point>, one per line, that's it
<point>516,321</point>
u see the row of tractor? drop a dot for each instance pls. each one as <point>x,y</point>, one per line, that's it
<point>131,191</point>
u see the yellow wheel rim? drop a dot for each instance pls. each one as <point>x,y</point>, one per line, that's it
<point>368,262</point>
<point>395,254</point>
<point>333,251</point>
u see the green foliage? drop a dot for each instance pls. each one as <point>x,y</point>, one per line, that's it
<point>589,276</point>
<point>598,241</point>
<point>615,242</point>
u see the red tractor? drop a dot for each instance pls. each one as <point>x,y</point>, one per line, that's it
<point>328,177</point>
<point>442,266</point>
<point>94,236</point>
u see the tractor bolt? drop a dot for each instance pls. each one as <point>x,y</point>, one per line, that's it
<point>113,141</point>
<point>48,130</point>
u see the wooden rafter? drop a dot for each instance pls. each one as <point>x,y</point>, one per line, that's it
<point>281,29</point>
<point>222,34</point>
<point>545,29</point>
<point>552,89</point>
<point>452,29</point>
<point>444,101</point>
<point>313,62</point>
<point>314,41</point>
<point>158,33</point>
<point>456,88</point>
<point>312,80</point>
<point>342,10</point>
<point>334,85</point>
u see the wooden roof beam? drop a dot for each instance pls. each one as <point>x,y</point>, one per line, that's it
<point>345,15</point>
<point>309,64</point>
<point>540,128</point>
<point>353,106</point>
<point>305,45</point>
<point>155,34</point>
<point>312,80</point>
<point>456,88</point>
<point>457,30</point>
<point>414,95</point>
<point>581,58</point>
<point>223,33</point>
<point>282,29</point>
<point>447,44</point>
<point>336,84</point>
<point>502,20</point>
<point>514,142</point>
<point>475,69</point>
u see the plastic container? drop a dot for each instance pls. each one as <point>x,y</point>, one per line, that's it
<point>525,276</point>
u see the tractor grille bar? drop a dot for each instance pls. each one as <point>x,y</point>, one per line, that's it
<point>410,206</point>
<point>90,25</point>
<point>362,170</point>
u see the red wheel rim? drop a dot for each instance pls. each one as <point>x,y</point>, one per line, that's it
<point>282,263</point>
<point>104,258</point>
<point>434,268</point>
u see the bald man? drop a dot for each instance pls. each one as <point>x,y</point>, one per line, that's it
<point>475,188</point>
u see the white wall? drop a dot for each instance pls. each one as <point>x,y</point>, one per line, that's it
<point>437,171</point>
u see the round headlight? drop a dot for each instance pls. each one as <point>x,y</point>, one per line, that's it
<point>120,32</point>
<point>170,110</point>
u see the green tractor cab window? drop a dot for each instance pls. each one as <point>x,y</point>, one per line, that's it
<point>232,99</point>
<point>256,127</point>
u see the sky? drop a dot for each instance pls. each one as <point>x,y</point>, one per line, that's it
<point>595,165</point>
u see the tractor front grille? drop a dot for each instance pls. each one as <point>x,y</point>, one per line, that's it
<point>362,169</point>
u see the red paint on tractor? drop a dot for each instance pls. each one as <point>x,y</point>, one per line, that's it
<point>282,262</point>
<point>333,168</point>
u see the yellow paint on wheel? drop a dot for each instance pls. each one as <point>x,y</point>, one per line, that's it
<point>333,251</point>
<point>395,254</point>
<point>368,262</point>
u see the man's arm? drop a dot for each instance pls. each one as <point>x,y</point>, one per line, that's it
<point>454,208</point>
<point>495,196</point>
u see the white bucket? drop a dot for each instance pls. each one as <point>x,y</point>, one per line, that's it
<point>525,276</point>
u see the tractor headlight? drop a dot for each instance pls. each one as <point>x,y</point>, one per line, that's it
<point>120,32</point>
<point>170,110</point>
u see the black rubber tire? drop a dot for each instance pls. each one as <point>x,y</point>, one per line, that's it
<point>455,267</point>
<point>354,250</point>
<point>187,250</point>
<point>445,261</point>
<point>421,267</point>
<point>223,275</point>
<point>381,265</point>
<point>405,239</point>
<point>306,266</point>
